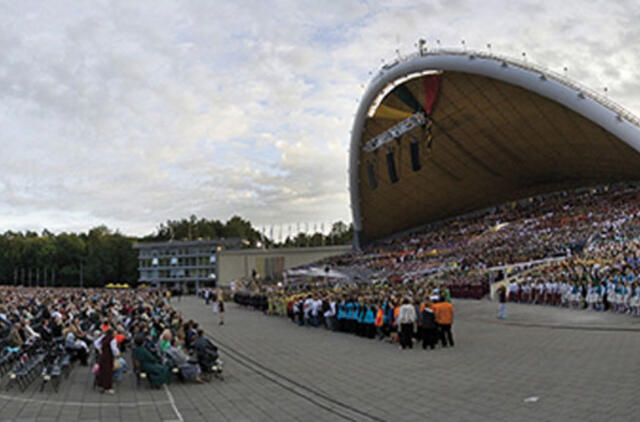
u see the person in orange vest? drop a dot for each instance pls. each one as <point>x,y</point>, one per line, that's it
<point>395,328</point>
<point>444,318</point>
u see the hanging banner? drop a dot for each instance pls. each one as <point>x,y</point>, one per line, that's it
<point>431,89</point>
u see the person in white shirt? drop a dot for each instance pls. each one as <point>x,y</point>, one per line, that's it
<point>31,334</point>
<point>406,320</point>
<point>316,307</point>
<point>306,309</point>
<point>540,293</point>
<point>513,291</point>
<point>330,314</point>
<point>115,350</point>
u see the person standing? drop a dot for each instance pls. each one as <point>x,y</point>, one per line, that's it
<point>429,329</point>
<point>105,362</point>
<point>215,302</point>
<point>443,312</point>
<point>330,314</point>
<point>220,301</point>
<point>502,298</point>
<point>406,320</point>
<point>379,320</point>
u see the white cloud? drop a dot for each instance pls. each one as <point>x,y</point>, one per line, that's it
<point>129,113</point>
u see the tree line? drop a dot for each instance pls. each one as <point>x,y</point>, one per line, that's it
<point>102,256</point>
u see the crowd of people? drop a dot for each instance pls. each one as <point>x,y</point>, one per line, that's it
<point>104,324</point>
<point>400,289</point>
<point>462,249</point>
<point>401,314</point>
<point>580,249</point>
<point>604,278</point>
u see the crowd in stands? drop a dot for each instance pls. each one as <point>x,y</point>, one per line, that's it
<point>606,277</point>
<point>461,250</point>
<point>588,242</point>
<point>401,314</point>
<point>105,323</point>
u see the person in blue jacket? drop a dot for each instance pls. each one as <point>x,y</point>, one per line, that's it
<point>389,316</point>
<point>349,313</point>
<point>369,319</point>
<point>357,317</point>
<point>341,314</point>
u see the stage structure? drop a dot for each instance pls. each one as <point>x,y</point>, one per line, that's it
<point>443,133</point>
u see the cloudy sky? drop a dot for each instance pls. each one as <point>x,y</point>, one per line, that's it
<point>128,113</point>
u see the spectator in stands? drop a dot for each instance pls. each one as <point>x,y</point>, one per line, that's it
<point>17,335</point>
<point>165,339</point>
<point>188,369</point>
<point>30,334</point>
<point>56,327</point>
<point>45,331</point>
<point>158,374</point>
<point>205,350</point>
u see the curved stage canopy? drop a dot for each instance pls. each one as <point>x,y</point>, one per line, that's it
<point>445,133</point>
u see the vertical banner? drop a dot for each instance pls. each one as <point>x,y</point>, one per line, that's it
<point>431,90</point>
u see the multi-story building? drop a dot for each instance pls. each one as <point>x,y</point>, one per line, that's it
<point>190,264</point>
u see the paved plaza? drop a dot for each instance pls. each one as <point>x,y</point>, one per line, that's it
<point>540,364</point>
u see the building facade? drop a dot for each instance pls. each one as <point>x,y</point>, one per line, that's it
<point>269,264</point>
<point>189,264</point>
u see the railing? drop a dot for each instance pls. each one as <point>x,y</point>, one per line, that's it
<point>542,70</point>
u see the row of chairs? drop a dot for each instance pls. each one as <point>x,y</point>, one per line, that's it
<point>26,370</point>
<point>7,358</point>
<point>24,365</point>
<point>58,365</point>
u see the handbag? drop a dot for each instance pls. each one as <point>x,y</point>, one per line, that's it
<point>117,365</point>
